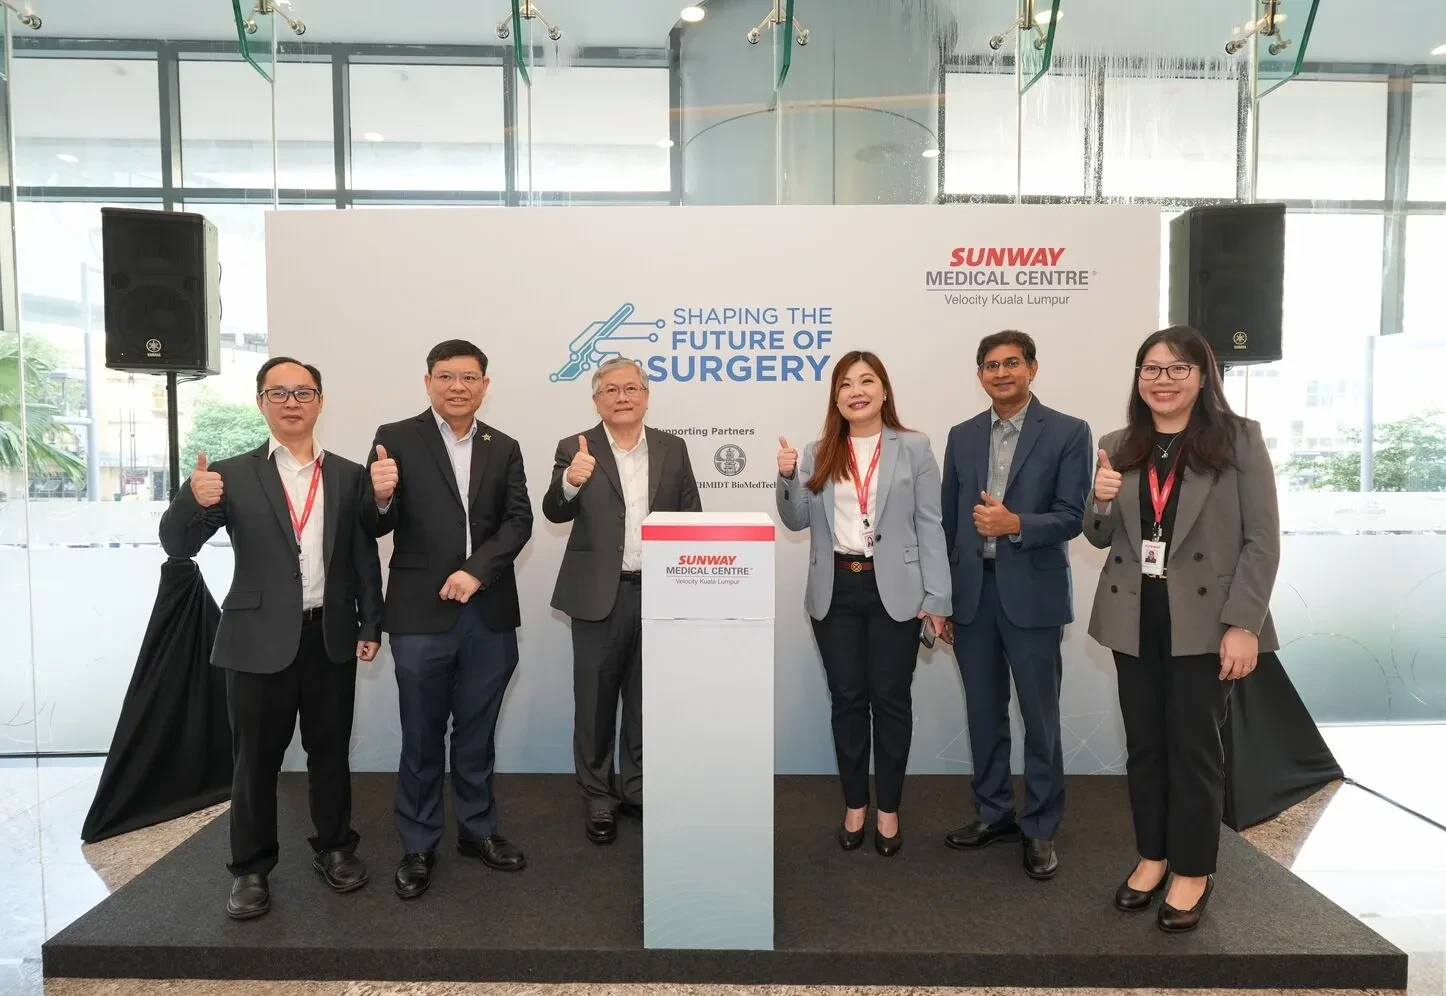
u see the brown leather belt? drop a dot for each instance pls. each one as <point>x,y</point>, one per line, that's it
<point>854,565</point>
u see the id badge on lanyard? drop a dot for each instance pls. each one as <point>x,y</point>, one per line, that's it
<point>861,491</point>
<point>1152,550</point>
<point>298,525</point>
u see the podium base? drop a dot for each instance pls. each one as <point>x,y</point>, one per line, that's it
<point>929,916</point>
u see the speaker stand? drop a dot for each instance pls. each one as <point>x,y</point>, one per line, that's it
<point>173,436</point>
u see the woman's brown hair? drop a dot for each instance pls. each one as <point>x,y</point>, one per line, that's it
<point>831,458</point>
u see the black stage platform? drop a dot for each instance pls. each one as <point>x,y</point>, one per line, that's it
<point>927,917</point>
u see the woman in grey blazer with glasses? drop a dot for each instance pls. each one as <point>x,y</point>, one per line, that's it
<point>1184,501</point>
<point>878,579</point>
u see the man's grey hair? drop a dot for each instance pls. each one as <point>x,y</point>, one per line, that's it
<point>617,362</point>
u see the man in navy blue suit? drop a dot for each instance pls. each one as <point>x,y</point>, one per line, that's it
<point>1015,481</point>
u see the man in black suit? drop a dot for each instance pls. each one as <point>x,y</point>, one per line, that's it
<point>600,582</point>
<point>305,603</point>
<point>453,493</point>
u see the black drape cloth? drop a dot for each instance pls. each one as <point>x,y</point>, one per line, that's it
<point>1274,753</point>
<point>171,753</point>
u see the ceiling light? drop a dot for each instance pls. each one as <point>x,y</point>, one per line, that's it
<point>693,14</point>
<point>372,136</point>
<point>665,143</point>
<point>931,153</point>
<point>1042,18</point>
<point>66,157</point>
<point>1439,50</point>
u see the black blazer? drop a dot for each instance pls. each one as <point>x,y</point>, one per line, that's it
<point>587,583</point>
<point>261,615</point>
<point>429,528</point>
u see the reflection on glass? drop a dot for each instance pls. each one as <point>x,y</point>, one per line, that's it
<point>86,122</point>
<point>1170,137</point>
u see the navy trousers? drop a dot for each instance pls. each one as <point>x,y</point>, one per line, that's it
<point>989,650</point>
<point>461,674</point>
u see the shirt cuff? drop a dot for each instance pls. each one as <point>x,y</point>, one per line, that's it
<point>384,509</point>
<point>568,491</point>
<point>1014,539</point>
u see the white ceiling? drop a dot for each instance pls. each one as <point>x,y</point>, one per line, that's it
<point>1401,31</point>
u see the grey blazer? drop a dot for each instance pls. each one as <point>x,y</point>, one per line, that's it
<point>911,563</point>
<point>1221,562</point>
<point>587,582</point>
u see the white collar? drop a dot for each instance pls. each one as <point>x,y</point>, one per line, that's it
<point>276,444</point>
<point>449,435</point>
<point>642,444</point>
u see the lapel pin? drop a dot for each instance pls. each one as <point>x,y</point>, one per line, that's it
<point>486,437</point>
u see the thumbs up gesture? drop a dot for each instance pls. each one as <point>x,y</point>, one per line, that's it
<point>1107,480</point>
<point>384,476</point>
<point>787,458</point>
<point>579,472</point>
<point>206,485</point>
<point>991,518</point>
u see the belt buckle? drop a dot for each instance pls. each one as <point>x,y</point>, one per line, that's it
<point>856,567</point>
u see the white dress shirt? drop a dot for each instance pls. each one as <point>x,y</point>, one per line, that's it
<point>459,451</point>
<point>633,473</point>
<point>296,479</point>
<point>848,522</point>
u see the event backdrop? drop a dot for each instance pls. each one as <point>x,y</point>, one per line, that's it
<point>736,314</point>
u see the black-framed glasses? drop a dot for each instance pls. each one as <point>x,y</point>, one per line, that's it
<point>279,395</point>
<point>1175,371</point>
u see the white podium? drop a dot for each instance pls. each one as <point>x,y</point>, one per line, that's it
<point>708,731</point>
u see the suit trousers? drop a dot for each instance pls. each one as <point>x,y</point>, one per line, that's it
<point>868,658</point>
<point>989,650</point>
<point>607,661</point>
<point>1173,708</point>
<point>459,674</point>
<point>263,709</point>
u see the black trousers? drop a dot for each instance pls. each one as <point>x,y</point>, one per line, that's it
<point>1173,709</point>
<point>263,710</point>
<point>607,662</point>
<point>869,659</point>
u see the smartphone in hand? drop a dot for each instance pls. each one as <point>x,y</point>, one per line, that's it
<point>926,632</point>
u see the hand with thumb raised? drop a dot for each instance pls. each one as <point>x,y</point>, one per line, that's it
<point>385,476</point>
<point>787,458</point>
<point>1107,480</point>
<point>206,485</point>
<point>579,472</point>
<point>989,499</point>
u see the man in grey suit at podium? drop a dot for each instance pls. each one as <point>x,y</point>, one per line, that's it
<point>600,583</point>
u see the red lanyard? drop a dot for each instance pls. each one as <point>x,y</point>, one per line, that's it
<point>1160,497</point>
<point>863,491</point>
<point>300,524</point>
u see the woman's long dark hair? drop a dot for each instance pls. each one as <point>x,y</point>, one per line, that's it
<point>1208,444</point>
<point>831,459</point>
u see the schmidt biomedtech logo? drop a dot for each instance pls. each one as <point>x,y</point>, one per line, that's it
<point>1003,267</point>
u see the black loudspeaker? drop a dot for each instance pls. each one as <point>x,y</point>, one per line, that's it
<point>162,292</point>
<point>1227,278</point>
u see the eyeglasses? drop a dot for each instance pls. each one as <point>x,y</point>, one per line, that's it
<point>447,379</point>
<point>612,392</point>
<point>279,395</point>
<point>992,366</point>
<point>1176,371</point>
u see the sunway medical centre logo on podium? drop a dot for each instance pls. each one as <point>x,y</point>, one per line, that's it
<point>590,348</point>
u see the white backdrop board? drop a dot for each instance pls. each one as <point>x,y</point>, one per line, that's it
<point>736,313</point>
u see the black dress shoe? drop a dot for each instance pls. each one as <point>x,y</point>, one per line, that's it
<point>250,897</point>
<point>888,846</point>
<point>850,840</point>
<point>602,827</point>
<point>414,874</point>
<point>496,852</point>
<point>343,870</point>
<point>632,810</point>
<point>1040,861</point>
<point>1173,921</point>
<point>1131,900</point>
<point>980,834</point>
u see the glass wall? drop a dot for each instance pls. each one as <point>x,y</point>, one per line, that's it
<point>891,101</point>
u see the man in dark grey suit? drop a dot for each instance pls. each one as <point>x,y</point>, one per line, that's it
<point>305,603</point>
<point>600,582</point>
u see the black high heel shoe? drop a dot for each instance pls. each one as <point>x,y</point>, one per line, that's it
<point>887,846</point>
<point>1173,921</point>
<point>1130,900</point>
<point>850,840</point>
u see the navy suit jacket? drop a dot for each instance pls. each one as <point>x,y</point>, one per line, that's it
<point>1049,482</point>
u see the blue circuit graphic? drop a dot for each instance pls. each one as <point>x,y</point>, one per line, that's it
<point>589,348</point>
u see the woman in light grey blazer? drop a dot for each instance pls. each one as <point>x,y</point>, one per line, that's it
<point>1184,500</point>
<point>868,491</point>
